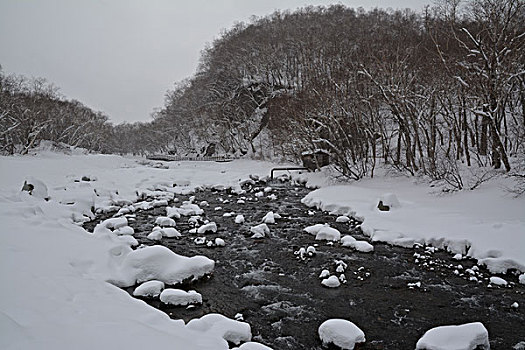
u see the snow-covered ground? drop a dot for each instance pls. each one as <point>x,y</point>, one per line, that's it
<point>487,224</point>
<point>54,274</point>
<point>54,292</point>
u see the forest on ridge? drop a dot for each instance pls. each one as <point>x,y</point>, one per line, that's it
<point>426,93</point>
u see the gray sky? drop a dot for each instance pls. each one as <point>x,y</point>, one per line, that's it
<point>121,56</point>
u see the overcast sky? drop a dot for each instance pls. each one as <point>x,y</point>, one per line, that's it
<point>121,56</point>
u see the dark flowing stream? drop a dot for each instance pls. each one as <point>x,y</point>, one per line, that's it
<point>281,297</point>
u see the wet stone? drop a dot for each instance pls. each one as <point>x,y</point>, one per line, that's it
<point>280,294</point>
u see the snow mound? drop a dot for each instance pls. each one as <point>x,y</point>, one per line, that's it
<point>360,246</point>
<point>160,263</point>
<point>328,234</point>
<point>156,235</point>
<point>180,297</point>
<point>111,224</point>
<point>463,337</point>
<point>341,333</point>
<point>125,230</point>
<point>149,289</point>
<point>222,326</point>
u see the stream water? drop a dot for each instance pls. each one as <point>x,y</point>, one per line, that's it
<point>281,297</point>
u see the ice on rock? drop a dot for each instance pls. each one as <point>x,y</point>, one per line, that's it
<point>221,326</point>
<point>331,282</point>
<point>180,297</point>
<point>498,281</point>
<point>160,263</point>
<point>209,227</point>
<point>155,235</point>
<point>259,231</point>
<point>170,232</point>
<point>342,219</point>
<point>165,221</point>
<point>341,333</point>
<point>151,289</point>
<point>463,337</point>
<point>328,234</point>
<point>239,219</point>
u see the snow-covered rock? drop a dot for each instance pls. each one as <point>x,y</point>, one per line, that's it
<point>111,224</point>
<point>314,229</point>
<point>463,337</point>
<point>269,218</point>
<point>35,187</point>
<point>180,297</point>
<point>124,230</point>
<point>259,231</point>
<point>342,219</point>
<point>170,232</point>
<point>252,346</point>
<point>149,289</point>
<point>222,326</point>
<point>328,234</point>
<point>160,263</point>
<point>207,228</point>
<point>390,200</point>
<point>155,235</point>
<point>172,212</point>
<point>348,241</point>
<point>331,282</point>
<point>190,209</point>
<point>239,219</point>
<point>165,221</point>
<point>324,274</point>
<point>498,281</point>
<point>522,278</point>
<point>341,333</point>
<point>219,242</point>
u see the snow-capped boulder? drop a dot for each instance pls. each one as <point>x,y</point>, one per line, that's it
<point>348,241</point>
<point>222,326</point>
<point>151,289</point>
<point>155,235</point>
<point>324,274</point>
<point>328,234</point>
<point>463,337</point>
<point>165,221</point>
<point>498,281</point>
<point>219,242</point>
<point>259,231</point>
<point>239,219</point>
<point>522,278</point>
<point>314,229</point>
<point>252,346</point>
<point>207,228</point>
<point>160,263</point>
<point>341,333</point>
<point>172,212</point>
<point>170,232</point>
<point>129,240</point>
<point>342,219</point>
<point>180,297</point>
<point>189,209</point>
<point>124,230</point>
<point>331,282</point>
<point>111,224</point>
<point>269,218</point>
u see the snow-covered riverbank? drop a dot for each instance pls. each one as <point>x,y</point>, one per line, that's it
<point>54,293</point>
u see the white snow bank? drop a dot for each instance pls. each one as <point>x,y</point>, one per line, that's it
<point>485,224</point>
<point>463,337</point>
<point>222,326</point>
<point>42,249</point>
<point>149,289</point>
<point>341,333</point>
<point>160,263</point>
<point>180,297</point>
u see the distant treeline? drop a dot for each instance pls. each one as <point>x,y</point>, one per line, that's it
<point>422,92</point>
